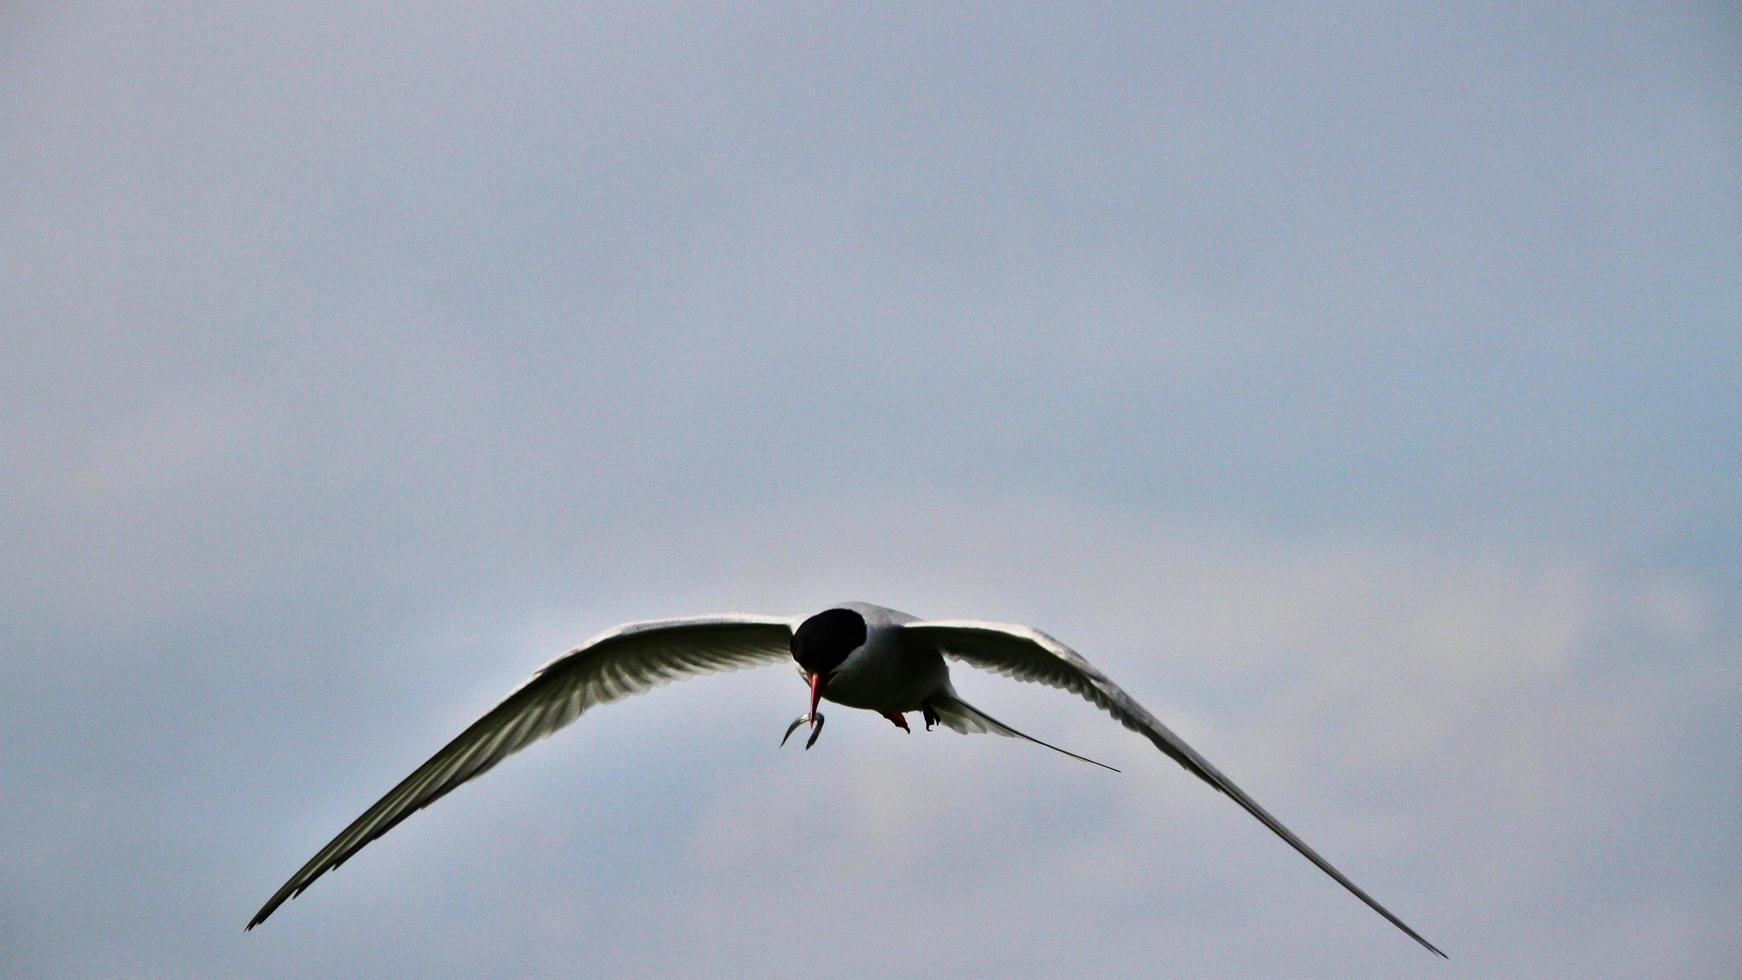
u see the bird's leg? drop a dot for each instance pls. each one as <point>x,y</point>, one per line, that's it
<point>899,719</point>
<point>931,717</point>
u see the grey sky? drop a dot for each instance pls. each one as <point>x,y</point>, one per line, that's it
<point>1356,387</point>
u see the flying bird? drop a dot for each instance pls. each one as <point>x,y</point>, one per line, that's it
<point>856,654</point>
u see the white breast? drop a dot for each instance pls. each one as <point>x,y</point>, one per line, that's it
<point>887,674</point>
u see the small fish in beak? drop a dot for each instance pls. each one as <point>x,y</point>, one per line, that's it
<point>818,681</point>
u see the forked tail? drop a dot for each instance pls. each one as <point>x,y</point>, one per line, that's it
<point>960,716</point>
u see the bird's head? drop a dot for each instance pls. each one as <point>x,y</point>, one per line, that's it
<point>822,642</point>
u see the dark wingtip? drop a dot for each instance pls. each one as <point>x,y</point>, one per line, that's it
<point>270,907</point>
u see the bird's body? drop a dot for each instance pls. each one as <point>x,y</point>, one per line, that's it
<point>884,674</point>
<point>857,655</point>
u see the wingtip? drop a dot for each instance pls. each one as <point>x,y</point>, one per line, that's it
<point>265,912</point>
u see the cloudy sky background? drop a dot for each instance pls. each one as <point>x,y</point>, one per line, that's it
<point>1357,387</point>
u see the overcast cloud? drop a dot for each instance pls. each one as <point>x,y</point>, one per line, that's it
<point>1357,387</point>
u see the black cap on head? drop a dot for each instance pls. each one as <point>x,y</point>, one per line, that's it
<point>821,642</point>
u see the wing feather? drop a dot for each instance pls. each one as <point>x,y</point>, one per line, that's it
<point>631,659</point>
<point>1027,654</point>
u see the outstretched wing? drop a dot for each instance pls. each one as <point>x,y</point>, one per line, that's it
<point>630,659</point>
<point>1027,654</point>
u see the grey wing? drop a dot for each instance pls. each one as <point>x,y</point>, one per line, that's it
<point>630,659</point>
<point>1027,654</point>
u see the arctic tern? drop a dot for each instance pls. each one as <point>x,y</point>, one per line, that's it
<point>856,655</point>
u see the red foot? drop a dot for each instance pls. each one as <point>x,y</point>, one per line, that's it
<point>899,719</point>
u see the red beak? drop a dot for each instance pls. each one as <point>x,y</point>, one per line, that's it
<point>817,682</point>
